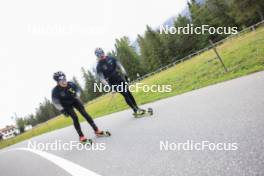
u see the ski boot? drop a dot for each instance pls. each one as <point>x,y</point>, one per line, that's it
<point>143,112</point>
<point>99,133</point>
<point>139,112</point>
<point>84,140</point>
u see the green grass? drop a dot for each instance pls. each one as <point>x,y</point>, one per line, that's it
<point>242,56</point>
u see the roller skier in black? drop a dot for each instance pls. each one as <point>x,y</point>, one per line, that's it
<point>66,97</point>
<point>111,72</point>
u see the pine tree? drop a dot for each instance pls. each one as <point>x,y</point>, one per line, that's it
<point>83,96</point>
<point>20,123</point>
<point>46,111</point>
<point>89,82</point>
<point>128,57</point>
<point>30,120</point>
<point>152,50</point>
<point>247,12</point>
<point>179,45</point>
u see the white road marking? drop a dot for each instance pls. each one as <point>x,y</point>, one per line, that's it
<point>68,166</point>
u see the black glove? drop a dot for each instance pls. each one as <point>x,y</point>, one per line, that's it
<point>64,113</point>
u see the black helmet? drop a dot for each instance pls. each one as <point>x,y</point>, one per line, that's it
<point>99,52</point>
<point>57,76</point>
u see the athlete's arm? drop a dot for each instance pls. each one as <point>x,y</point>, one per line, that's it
<point>56,102</point>
<point>77,90</point>
<point>120,67</point>
<point>100,76</point>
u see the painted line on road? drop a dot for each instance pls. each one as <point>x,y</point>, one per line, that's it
<point>68,166</point>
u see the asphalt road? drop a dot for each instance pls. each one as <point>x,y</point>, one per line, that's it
<point>229,113</point>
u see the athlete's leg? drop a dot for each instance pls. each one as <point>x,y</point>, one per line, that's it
<point>79,106</point>
<point>129,101</point>
<point>75,120</point>
<point>127,94</point>
<point>131,97</point>
<point>118,80</point>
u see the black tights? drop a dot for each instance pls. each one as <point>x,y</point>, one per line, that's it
<point>130,100</point>
<point>79,106</point>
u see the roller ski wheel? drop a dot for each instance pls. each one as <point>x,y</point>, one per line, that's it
<point>150,111</point>
<point>143,113</point>
<point>103,134</point>
<point>84,140</point>
<point>89,142</point>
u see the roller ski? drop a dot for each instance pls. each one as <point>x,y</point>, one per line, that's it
<point>102,134</point>
<point>143,113</point>
<point>84,140</point>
